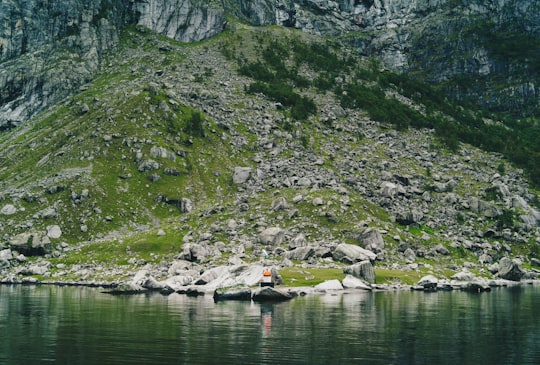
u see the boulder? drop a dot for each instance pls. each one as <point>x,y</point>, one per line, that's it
<point>510,269</point>
<point>211,275</point>
<point>241,175</point>
<point>334,284</point>
<point>178,281</point>
<point>410,255</point>
<point>410,217</point>
<point>152,284</point>
<point>232,293</point>
<point>350,254</point>
<point>362,270</point>
<point>199,252</point>
<point>54,231</point>
<point>31,244</point>
<point>463,275</point>
<point>161,152</point>
<point>300,253</point>
<point>279,204</point>
<point>269,294</point>
<point>390,190</point>
<point>298,241</point>
<point>6,255</point>
<point>370,238</point>
<point>181,266</point>
<point>351,282</point>
<point>428,282</point>
<point>8,209</point>
<point>273,236</point>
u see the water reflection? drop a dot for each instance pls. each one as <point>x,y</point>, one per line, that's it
<point>267,311</point>
<point>84,326</point>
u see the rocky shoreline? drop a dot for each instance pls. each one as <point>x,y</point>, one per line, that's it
<point>241,282</point>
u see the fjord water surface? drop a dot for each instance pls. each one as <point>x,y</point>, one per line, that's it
<point>67,325</point>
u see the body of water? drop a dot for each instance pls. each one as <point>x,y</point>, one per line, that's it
<point>66,325</point>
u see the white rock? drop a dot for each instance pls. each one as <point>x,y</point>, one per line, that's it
<point>8,210</point>
<point>54,231</point>
<point>350,282</point>
<point>334,284</point>
<point>241,175</point>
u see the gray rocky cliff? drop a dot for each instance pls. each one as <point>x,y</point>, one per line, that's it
<point>48,49</point>
<point>477,50</point>
<point>183,20</point>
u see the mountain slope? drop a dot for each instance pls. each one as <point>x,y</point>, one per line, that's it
<point>481,53</point>
<point>183,151</point>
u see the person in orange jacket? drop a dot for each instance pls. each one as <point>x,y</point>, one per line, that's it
<point>267,278</point>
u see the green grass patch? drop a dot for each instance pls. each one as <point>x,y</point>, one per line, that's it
<point>294,276</point>
<point>390,276</point>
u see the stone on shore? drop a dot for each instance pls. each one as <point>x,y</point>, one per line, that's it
<point>351,282</point>
<point>126,289</point>
<point>334,284</point>
<point>362,270</point>
<point>510,269</point>
<point>475,287</point>
<point>232,293</point>
<point>428,282</point>
<point>269,294</point>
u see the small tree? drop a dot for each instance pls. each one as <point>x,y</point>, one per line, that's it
<point>194,124</point>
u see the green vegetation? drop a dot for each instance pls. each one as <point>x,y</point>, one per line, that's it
<point>297,277</point>
<point>293,276</point>
<point>301,107</point>
<point>389,276</point>
<point>364,86</point>
<point>109,149</point>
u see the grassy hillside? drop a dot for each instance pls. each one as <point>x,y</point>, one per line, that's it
<point>140,161</point>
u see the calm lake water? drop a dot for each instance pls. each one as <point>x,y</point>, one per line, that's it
<point>61,325</point>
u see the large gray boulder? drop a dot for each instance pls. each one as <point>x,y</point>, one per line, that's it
<point>362,270</point>
<point>31,244</point>
<point>8,209</point>
<point>232,293</point>
<point>370,239</point>
<point>350,282</point>
<point>510,269</point>
<point>300,253</point>
<point>329,285</point>
<point>241,175</point>
<point>269,294</point>
<point>428,282</point>
<point>351,254</point>
<point>273,236</point>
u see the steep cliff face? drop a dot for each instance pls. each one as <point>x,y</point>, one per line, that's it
<point>183,20</point>
<point>50,48</point>
<point>481,51</point>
